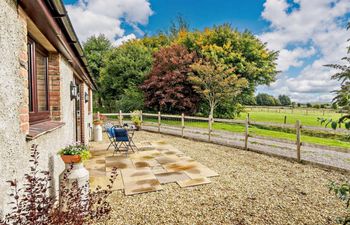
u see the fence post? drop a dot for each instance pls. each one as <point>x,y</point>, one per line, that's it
<point>323,112</point>
<point>285,119</point>
<point>248,117</point>
<point>246,133</point>
<point>298,132</point>
<point>210,127</point>
<point>120,118</point>
<point>182,124</point>
<point>159,118</point>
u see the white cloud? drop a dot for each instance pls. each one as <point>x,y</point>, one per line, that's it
<point>94,17</point>
<point>124,39</point>
<point>288,58</point>
<point>314,26</point>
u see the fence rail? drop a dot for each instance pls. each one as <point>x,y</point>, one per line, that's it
<point>202,128</point>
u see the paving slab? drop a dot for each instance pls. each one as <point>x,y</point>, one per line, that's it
<point>167,159</point>
<point>138,181</point>
<point>118,162</point>
<point>193,182</point>
<point>171,177</point>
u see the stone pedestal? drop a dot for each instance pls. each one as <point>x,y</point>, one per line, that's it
<point>97,133</point>
<point>74,173</point>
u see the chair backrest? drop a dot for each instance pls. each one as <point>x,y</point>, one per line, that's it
<point>121,134</point>
<point>110,132</point>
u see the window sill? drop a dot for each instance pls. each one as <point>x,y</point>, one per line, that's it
<point>39,129</point>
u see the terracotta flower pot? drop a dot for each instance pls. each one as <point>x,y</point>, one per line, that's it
<point>71,158</point>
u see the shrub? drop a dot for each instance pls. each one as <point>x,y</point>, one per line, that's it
<point>135,118</point>
<point>342,191</point>
<point>33,205</point>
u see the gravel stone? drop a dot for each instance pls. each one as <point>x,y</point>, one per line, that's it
<point>252,189</point>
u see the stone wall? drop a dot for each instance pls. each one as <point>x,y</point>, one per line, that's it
<point>13,124</point>
<point>14,115</point>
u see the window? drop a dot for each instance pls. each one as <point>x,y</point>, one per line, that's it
<point>38,82</point>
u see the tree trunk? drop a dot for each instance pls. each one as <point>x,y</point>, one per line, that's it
<point>211,111</point>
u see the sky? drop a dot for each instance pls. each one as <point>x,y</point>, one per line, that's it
<point>307,33</point>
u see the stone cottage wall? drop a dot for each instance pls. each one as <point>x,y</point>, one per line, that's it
<point>14,115</point>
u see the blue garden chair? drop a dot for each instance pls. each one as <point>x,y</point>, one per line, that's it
<point>110,134</point>
<point>121,140</point>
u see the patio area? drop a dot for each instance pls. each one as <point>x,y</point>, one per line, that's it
<point>154,163</point>
<point>251,188</point>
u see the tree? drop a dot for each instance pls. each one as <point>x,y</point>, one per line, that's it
<point>342,97</point>
<point>167,87</point>
<point>216,82</point>
<point>285,100</point>
<point>95,49</point>
<point>132,99</point>
<point>264,99</point>
<point>125,67</point>
<point>243,52</point>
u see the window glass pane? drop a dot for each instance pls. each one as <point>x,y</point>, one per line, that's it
<point>41,81</point>
<point>30,76</point>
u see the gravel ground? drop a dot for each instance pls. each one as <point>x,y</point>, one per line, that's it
<point>322,155</point>
<point>251,189</point>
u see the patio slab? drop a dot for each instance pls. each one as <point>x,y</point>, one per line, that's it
<point>193,182</point>
<point>144,171</point>
<point>172,177</point>
<point>138,181</point>
<point>119,162</point>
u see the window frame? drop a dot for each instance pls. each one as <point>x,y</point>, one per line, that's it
<point>36,116</point>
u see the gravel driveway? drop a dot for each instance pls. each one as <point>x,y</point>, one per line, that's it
<point>252,189</point>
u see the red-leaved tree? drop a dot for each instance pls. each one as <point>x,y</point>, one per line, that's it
<point>167,87</point>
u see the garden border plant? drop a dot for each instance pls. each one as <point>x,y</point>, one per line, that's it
<point>32,205</point>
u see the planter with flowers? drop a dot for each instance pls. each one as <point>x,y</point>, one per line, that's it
<point>136,119</point>
<point>75,153</point>
<point>73,156</point>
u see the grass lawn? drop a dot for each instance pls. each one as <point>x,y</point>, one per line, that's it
<point>257,131</point>
<point>275,117</point>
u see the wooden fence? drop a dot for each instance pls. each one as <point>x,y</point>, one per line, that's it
<point>182,118</point>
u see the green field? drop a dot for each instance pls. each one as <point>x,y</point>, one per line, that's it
<point>309,119</point>
<point>256,131</point>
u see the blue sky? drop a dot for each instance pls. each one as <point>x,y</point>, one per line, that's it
<point>308,33</point>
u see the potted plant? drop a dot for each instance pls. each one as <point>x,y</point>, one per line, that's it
<point>98,122</point>
<point>135,118</point>
<point>75,153</point>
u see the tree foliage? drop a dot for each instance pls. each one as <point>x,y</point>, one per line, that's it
<point>95,48</point>
<point>264,99</point>
<point>167,87</point>
<point>284,100</point>
<point>216,82</point>
<point>242,52</point>
<point>342,97</point>
<point>126,66</point>
<point>159,58</point>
